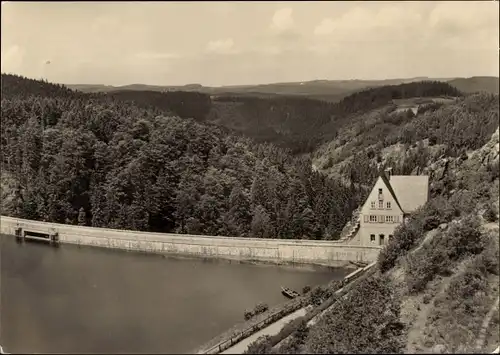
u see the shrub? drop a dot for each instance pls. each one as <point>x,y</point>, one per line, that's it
<point>319,294</point>
<point>423,266</point>
<point>458,313</point>
<point>432,140</point>
<point>493,170</point>
<point>306,289</point>
<point>261,346</point>
<point>405,237</point>
<point>298,339</point>
<point>248,315</point>
<point>464,238</point>
<point>462,203</point>
<point>259,308</point>
<point>488,260</point>
<point>367,321</point>
<point>490,214</point>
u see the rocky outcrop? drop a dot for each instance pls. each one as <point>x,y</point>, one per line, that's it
<point>488,154</point>
<point>446,168</point>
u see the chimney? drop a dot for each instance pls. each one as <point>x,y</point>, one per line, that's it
<point>388,173</point>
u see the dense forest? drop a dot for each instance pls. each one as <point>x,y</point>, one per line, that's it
<point>302,124</point>
<point>96,160</point>
<point>298,124</point>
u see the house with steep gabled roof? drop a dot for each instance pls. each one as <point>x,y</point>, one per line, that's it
<point>392,199</point>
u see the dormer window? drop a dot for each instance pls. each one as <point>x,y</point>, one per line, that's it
<point>388,205</point>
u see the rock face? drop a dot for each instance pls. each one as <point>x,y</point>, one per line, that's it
<point>488,154</point>
<point>451,168</point>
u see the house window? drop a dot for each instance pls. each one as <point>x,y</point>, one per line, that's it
<point>372,204</point>
<point>390,236</point>
<point>373,218</point>
<point>380,204</point>
<point>372,237</point>
<point>389,219</point>
<point>380,191</point>
<point>388,205</point>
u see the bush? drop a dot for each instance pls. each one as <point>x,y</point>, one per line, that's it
<point>259,308</point>
<point>458,313</point>
<point>306,289</point>
<point>432,140</point>
<point>367,321</point>
<point>319,294</point>
<point>436,258</point>
<point>298,339</point>
<point>423,266</point>
<point>488,260</point>
<point>261,346</point>
<point>248,315</point>
<point>489,214</point>
<point>463,238</point>
<point>405,237</point>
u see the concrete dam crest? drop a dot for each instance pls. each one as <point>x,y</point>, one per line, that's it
<point>318,252</point>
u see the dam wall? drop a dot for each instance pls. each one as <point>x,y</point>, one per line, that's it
<point>251,249</point>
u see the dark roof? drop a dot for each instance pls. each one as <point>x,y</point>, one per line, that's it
<point>389,187</point>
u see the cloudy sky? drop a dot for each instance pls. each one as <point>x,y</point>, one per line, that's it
<point>230,43</point>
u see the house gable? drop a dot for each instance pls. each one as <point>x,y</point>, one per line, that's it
<point>388,196</point>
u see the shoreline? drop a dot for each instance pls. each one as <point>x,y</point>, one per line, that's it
<point>309,266</point>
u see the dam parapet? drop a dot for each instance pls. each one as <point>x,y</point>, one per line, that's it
<point>319,252</point>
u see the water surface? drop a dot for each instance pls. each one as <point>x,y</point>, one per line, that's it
<point>88,300</point>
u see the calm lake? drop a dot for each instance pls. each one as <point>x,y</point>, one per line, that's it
<point>88,300</point>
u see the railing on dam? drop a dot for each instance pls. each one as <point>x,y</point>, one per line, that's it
<point>274,317</point>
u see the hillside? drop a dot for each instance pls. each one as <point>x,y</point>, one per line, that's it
<point>106,162</point>
<point>299,124</point>
<point>303,124</point>
<point>435,289</point>
<point>406,142</point>
<point>488,84</point>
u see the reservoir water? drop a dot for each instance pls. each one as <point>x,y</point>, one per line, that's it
<point>88,300</point>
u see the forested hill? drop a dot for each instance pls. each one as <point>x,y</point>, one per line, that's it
<point>19,86</point>
<point>296,123</point>
<point>302,124</point>
<point>95,160</point>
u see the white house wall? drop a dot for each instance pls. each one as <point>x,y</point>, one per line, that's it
<point>377,228</point>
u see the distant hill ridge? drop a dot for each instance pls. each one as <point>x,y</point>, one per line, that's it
<point>330,90</point>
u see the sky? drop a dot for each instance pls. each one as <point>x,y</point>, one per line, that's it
<point>237,43</point>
